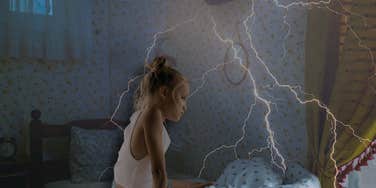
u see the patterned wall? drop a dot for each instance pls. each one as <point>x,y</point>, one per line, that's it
<point>122,31</point>
<point>61,90</point>
<point>216,112</point>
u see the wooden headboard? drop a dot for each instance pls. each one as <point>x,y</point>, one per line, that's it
<point>43,171</point>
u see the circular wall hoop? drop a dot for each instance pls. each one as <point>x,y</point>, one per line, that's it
<point>246,65</point>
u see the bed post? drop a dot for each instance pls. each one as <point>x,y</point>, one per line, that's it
<point>36,179</point>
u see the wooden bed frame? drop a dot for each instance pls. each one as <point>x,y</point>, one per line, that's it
<point>43,171</point>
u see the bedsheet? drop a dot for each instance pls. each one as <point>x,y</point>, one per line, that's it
<point>258,173</point>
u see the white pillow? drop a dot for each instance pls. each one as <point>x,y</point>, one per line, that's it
<point>249,173</point>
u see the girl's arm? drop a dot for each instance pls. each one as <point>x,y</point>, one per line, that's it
<point>153,139</point>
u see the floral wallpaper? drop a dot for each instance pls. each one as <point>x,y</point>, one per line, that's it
<point>217,112</point>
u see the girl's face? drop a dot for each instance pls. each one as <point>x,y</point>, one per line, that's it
<point>176,104</point>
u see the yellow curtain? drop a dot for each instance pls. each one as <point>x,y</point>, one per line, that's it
<point>339,72</point>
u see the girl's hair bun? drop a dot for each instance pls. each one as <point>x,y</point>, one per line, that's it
<point>160,74</point>
<point>157,65</point>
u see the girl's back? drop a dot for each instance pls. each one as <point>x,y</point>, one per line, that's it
<point>130,172</point>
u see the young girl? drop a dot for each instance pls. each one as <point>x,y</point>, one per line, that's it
<point>141,162</point>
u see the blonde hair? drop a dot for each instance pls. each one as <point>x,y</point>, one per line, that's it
<point>159,74</point>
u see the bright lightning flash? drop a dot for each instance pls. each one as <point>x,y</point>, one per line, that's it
<point>270,140</point>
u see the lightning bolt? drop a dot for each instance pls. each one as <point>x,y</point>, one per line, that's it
<point>258,150</point>
<point>203,78</point>
<point>148,52</point>
<point>158,34</point>
<point>290,88</point>
<point>130,81</point>
<point>121,98</point>
<point>360,42</point>
<point>271,141</point>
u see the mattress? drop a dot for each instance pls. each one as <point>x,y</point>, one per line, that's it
<point>69,184</point>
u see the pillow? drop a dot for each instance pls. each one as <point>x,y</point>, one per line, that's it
<point>249,173</point>
<point>93,154</point>
<point>298,177</point>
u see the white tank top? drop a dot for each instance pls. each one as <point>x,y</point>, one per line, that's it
<point>132,173</point>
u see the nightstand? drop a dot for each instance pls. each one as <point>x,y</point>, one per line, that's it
<point>15,173</point>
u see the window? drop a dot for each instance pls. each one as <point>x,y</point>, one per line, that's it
<point>41,7</point>
<point>365,178</point>
<point>54,30</point>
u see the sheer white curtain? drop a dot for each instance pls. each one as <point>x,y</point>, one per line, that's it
<point>48,29</point>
